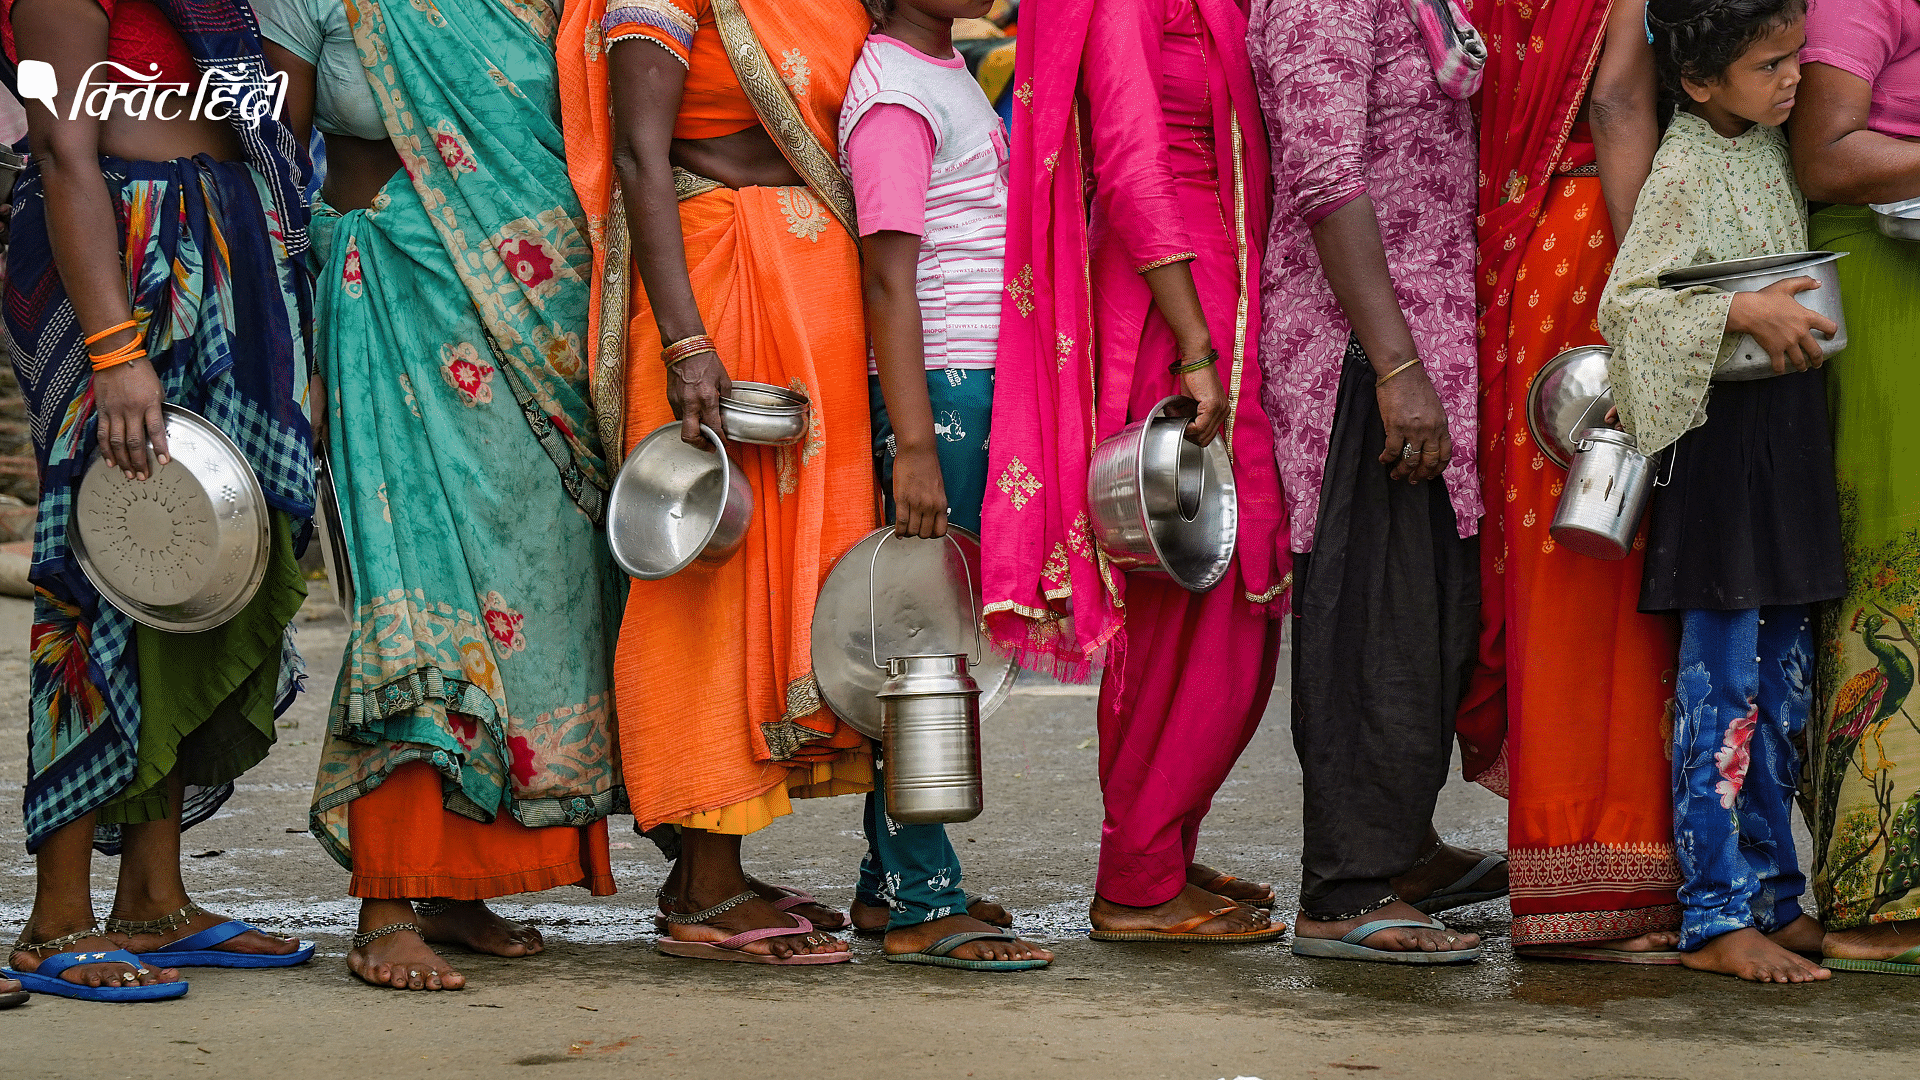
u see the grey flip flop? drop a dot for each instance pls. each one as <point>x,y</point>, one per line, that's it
<point>1349,947</point>
<point>1462,892</point>
<point>939,954</point>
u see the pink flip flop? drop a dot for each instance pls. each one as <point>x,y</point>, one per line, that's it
<point>732,949</point>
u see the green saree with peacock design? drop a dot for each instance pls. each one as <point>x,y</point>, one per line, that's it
<point>1863,758</point>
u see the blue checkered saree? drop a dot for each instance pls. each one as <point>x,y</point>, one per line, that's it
<point>214,256</point>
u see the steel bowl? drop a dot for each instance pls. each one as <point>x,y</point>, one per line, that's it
<point>892,596</point>
<point>1160,504</point>
<point>673,505</point>
<point>1749,361</point>
<point>1569,394</point>
<point>1900,220</point>
<point>764,414</point>
<point>185,549</point>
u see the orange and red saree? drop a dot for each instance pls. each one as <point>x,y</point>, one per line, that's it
<point>1566,713</point>
<point>721,722</point>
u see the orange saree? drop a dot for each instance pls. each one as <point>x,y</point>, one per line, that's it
<point>721,722</point>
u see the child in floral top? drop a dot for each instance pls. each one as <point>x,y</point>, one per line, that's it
<point>1745,537</point>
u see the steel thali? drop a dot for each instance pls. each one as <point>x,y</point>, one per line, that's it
<point>926,596</point>
<point>185,549</point>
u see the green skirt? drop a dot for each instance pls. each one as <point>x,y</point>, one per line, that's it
<point>1863,757</point>
<point>208,700</point>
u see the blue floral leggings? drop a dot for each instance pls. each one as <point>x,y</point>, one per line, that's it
<point>1744,695</point>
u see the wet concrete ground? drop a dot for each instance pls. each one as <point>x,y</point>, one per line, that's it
<point>601,1002</point>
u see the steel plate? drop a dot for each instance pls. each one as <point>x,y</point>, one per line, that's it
<point>1727,268</point>
<point>921,595</point>
<point>185,549</point>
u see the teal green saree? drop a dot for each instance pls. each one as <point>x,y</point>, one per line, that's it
<point>451,315</point>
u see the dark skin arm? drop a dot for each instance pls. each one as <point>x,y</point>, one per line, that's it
<point>892,261</point>
<point>646,86</point>
<point>1621,110</point>
<point>1178,301</point>
<point>1836,158</point>
<point>72,36</point>
<point>1355,260</point>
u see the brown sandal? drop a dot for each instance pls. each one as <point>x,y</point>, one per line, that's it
<point>1183,931</point>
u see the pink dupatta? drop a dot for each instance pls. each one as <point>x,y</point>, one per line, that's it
<point>1050,599</point>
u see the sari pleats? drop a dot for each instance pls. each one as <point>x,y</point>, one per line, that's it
<point>1575,676</point>
<point>716,662</point>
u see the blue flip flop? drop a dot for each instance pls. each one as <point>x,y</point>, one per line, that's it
<point>1349,947</point>
<point>1462,892</point>
<point>47,979</point>
<point>940,954</point>
<point>197,950</point>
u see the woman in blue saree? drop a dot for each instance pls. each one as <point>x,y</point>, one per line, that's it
<point>470,747</point>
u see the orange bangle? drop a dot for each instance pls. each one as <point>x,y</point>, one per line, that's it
<point>687,347</point>
<point>112,330</point>
<point>125,353</point>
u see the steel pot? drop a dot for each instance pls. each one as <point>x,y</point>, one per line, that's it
<point>764,414</point>
<point>1606,493</point>
<point>1158,503</point>
<point>1749,361</point>
<point>185,549</point>
<point>1568,394</point>
<point>930,721</point>
<point>673,505</point>
<point>1900,220</point>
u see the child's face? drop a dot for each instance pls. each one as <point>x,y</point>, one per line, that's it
<point>1758,86</point>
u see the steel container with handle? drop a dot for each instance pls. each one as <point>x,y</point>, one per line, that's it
<point>1606,494</point>
<point>929,725</point>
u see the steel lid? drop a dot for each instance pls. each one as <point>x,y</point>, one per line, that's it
<point>1707,273</point>
<point>1568,394</point>
<point>924,599</point>
<point>184,550</point>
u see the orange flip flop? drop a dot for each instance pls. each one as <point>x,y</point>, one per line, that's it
<point>1183,932</point>
<point>1224,880</point>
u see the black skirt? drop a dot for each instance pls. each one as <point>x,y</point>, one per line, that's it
<point>1752,516</point>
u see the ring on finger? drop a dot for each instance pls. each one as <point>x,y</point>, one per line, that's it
<point>1407,450</point>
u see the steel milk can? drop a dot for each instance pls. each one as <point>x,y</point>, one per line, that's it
<point>930,724</point>
<point>1606,493</point>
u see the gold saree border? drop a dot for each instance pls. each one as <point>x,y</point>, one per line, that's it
<point>780,113</point>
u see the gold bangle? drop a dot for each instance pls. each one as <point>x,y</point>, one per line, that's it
<point>686,348</point>
<point>1382,380</point>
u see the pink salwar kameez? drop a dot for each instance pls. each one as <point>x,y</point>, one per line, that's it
<point>1176,167</point>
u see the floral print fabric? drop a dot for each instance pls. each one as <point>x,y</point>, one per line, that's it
<point>1735,772</point>
<point>1709,198</point>
<point>1351,100</point>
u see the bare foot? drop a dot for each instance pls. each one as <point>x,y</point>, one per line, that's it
<point>252,943</point>
<point>1747,954</point>
<point>1652,941</point>
<point>1392,938</point>
<point>873,918</point>
<point>1450,865</point>
<point>1192,901</point>
<point>473,925</point>
<point>1803,935</point>
<point>1219,883</point>
<point>1881,941</point>
<point>752,915</point>
<point>402,960</point>
<point>912,939</point>
<point>107,974</point>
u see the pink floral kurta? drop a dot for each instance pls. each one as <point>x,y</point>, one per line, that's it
<point>1352,108</point>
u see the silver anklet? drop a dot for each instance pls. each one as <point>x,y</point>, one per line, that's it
<point>1390,898</point>
<point>432,909</point>
<point>717,909</point>
<point>165,924</point>
<point>361,941</point>
<point>57,944</point>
